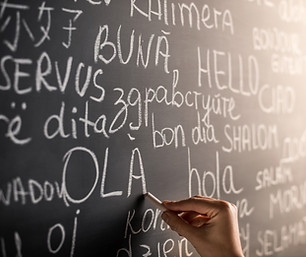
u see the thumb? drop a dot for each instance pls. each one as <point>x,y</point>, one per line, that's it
<point>178,225</point>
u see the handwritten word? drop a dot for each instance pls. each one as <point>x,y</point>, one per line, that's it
<point>14,127</point>
<point>16,29</point>
<point>18,245</point>
<point>292,65</point>
<point>266,3</point>
<point>44,68</point>
<point>215,104</point>
<point>211,180</point>
<point>55,125</point>
<point>93,2</point>
<point>294,148</point>
<point>69,28</point>
<point>278,240</point>
<point>56,248</point>
<point>132,176</point>
<point>101,124</point>
<point>218,70</point>
<point>250,137</point>
<point>276,40</point>
<point>204,131</point>
<point>288,200</point>
<point>150,220</point>
<point>54,242</point>
<point>204,17</point>
<point>180,248</point>
<point>272,176</point>
<point>35,192</point>
<point>277,100</point>
<point>245,237</point>
<point>133,107</point>
<point>19,191</point>
<point>243,208</point>
<point>160,42</point>
<point>292,11</point>
<point>167,136</point>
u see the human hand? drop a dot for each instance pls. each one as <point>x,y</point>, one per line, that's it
<point>210,225</point>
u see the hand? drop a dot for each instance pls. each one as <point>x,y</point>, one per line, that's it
<point>210,225</point>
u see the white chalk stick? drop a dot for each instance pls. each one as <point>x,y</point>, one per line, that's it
<point>155,201</point>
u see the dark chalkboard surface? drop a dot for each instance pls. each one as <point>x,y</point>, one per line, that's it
<point>102,101</point>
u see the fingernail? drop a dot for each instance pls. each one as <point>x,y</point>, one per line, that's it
<point>165,217</point>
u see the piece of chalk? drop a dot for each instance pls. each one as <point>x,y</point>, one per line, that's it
<point>155,201</point>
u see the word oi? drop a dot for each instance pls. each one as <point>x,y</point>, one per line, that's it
<point>54,245</point>
<point>56,248</point>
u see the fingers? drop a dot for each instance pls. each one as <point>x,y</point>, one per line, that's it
<point>177,224</point>
<point>199,204</point>
<point>199,221</point>
<point>195,219</point>
<point>207,223</point>
<point>189,215</point>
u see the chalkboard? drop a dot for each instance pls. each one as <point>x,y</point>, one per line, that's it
<point>104,100</point>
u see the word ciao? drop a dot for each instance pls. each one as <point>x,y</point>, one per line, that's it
<point>174,14</point>
<point>34,192</point>
<point>277,100</point>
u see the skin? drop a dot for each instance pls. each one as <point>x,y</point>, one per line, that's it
<point>210,225</point>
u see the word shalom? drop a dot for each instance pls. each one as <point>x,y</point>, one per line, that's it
<point>250,137</point>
